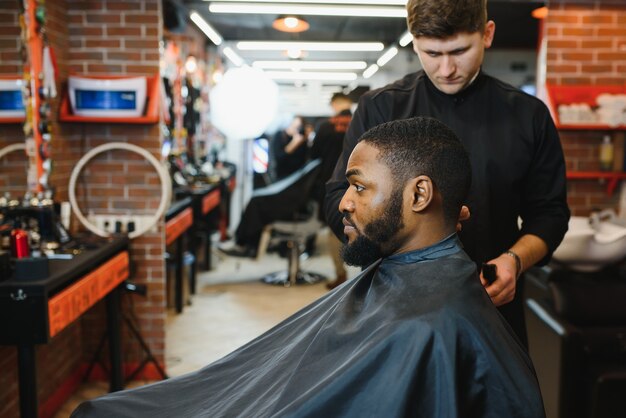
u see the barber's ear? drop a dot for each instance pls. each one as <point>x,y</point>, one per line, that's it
<point>422,189</point>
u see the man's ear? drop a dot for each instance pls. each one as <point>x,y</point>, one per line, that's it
<point>422,192</point>
<point>488,34</point>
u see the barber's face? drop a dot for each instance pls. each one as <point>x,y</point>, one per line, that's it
<point>372,208</point>
<point>451,63</point>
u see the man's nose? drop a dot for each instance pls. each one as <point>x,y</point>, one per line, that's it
<point>346,204</point>
<point>448,66</point>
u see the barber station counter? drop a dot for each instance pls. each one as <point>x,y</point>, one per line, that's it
<point>178,221</point>
<point>576,324</point>
<point>34,311</point>
<point>204,199</point>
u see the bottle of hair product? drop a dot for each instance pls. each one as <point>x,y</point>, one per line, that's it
<point>606,154</point>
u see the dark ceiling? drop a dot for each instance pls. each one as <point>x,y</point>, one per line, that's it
<point>515,28</point>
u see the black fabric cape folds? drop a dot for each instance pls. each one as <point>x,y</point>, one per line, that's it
<point>409,337</point>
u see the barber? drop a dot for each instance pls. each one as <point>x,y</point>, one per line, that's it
<point>518,168</point>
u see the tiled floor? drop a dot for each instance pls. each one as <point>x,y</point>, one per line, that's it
<point>231,307</point>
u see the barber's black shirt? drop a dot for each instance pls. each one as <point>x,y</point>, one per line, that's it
<point>518,167</point>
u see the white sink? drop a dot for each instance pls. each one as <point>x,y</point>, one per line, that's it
<point>589,246</point>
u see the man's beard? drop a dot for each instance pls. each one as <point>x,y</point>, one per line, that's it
<point>368,246</point>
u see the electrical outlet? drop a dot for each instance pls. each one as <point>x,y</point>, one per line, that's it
<point>107,222</point>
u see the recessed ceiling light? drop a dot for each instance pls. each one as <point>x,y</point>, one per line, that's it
<point>307,9</point>
<point>309,46</point>
<point>311,65</point>
<point>371,70</point>
<point>406,38</point>
<point>361,2</point>
<point>303,75</point>
<point>291,24</point>
<point>387,56</point>
<point>205,27</point>
<point>232,56</point>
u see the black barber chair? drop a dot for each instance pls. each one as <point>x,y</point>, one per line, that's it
<point>296,220</point>
<point>577,341</point>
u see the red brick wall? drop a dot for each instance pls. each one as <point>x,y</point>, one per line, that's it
<point>13,166</point>
<point>121,37</point>
<point>94,37</point>
<point>586,45</point>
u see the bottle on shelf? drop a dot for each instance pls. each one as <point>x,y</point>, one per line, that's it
<point>606,154</point>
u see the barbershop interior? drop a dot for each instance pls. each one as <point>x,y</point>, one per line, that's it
<point>160,206</point>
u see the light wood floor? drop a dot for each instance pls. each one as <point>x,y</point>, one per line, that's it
<point>231,307</point>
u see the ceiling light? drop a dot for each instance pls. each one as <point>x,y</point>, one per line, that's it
<point>540,12</point>
<point>291,24</point>
<point>232,56</point>
<point>371,70</point>
<point>295,53</point>
<point>305,9</point>
<point>406,39</point>
<point>361,2</point>
<point>387,56</point>
<point>301,75</point>
<point>311,65</point>
<point>204,26</point>
<point>310,46</point>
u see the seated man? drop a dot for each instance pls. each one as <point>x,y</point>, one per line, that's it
<point>415,334</point>
<point>277,202</point>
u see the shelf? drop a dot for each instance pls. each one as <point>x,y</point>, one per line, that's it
<point>12,120</point>
<point>558,95</point>
<point>151,113</point>
<point>613,177</point>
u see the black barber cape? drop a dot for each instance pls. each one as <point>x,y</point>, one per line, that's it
<point>412,336</point>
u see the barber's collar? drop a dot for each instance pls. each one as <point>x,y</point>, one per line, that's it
<point>471,87</point>
<point>447,246</point>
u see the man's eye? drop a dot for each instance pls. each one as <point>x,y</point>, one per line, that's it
<point>359,188</point>
<point>433,54</point>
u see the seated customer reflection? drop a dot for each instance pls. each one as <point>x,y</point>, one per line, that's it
<point>415,334</point>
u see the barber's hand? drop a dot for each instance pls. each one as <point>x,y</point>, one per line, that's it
<point>463,216</point>
<point>502,290</point>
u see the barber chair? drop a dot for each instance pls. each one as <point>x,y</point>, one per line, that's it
<point>576,326</point>
<point>296,233</point>
<point>296,220</point>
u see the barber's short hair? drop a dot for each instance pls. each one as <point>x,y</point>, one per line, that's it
<point>425,146</point>
<point>444,18</point>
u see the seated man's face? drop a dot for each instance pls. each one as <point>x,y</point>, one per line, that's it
<point>372,208</point>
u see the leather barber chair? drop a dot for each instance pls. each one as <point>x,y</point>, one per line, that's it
<point>297,222</point>
<point>576,326</point>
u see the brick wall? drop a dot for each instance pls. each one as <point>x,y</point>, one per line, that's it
<point>93,37</point>
<point>121,37</point>
<point>13,166</point>
<point>586,45</point>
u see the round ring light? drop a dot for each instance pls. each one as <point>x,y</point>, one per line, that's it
<point>161,171</point>
<point>12,148</point>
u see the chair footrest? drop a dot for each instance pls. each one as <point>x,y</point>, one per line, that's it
<point>302,277</point>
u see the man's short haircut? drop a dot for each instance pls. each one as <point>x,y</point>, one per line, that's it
<point>425,146</point>
<point>340,96</point>
<point>444,18</point>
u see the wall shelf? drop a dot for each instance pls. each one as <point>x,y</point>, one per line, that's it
<point>612,178</point>
<point>563,95</point>
<point>151,114</point>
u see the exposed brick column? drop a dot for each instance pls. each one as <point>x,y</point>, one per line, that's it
<point>586,45</point>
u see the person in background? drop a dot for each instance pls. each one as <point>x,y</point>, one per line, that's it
<point>289,149</point>
<point>518,168</point>
<point>414,335</point>
<point>327,145</point>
